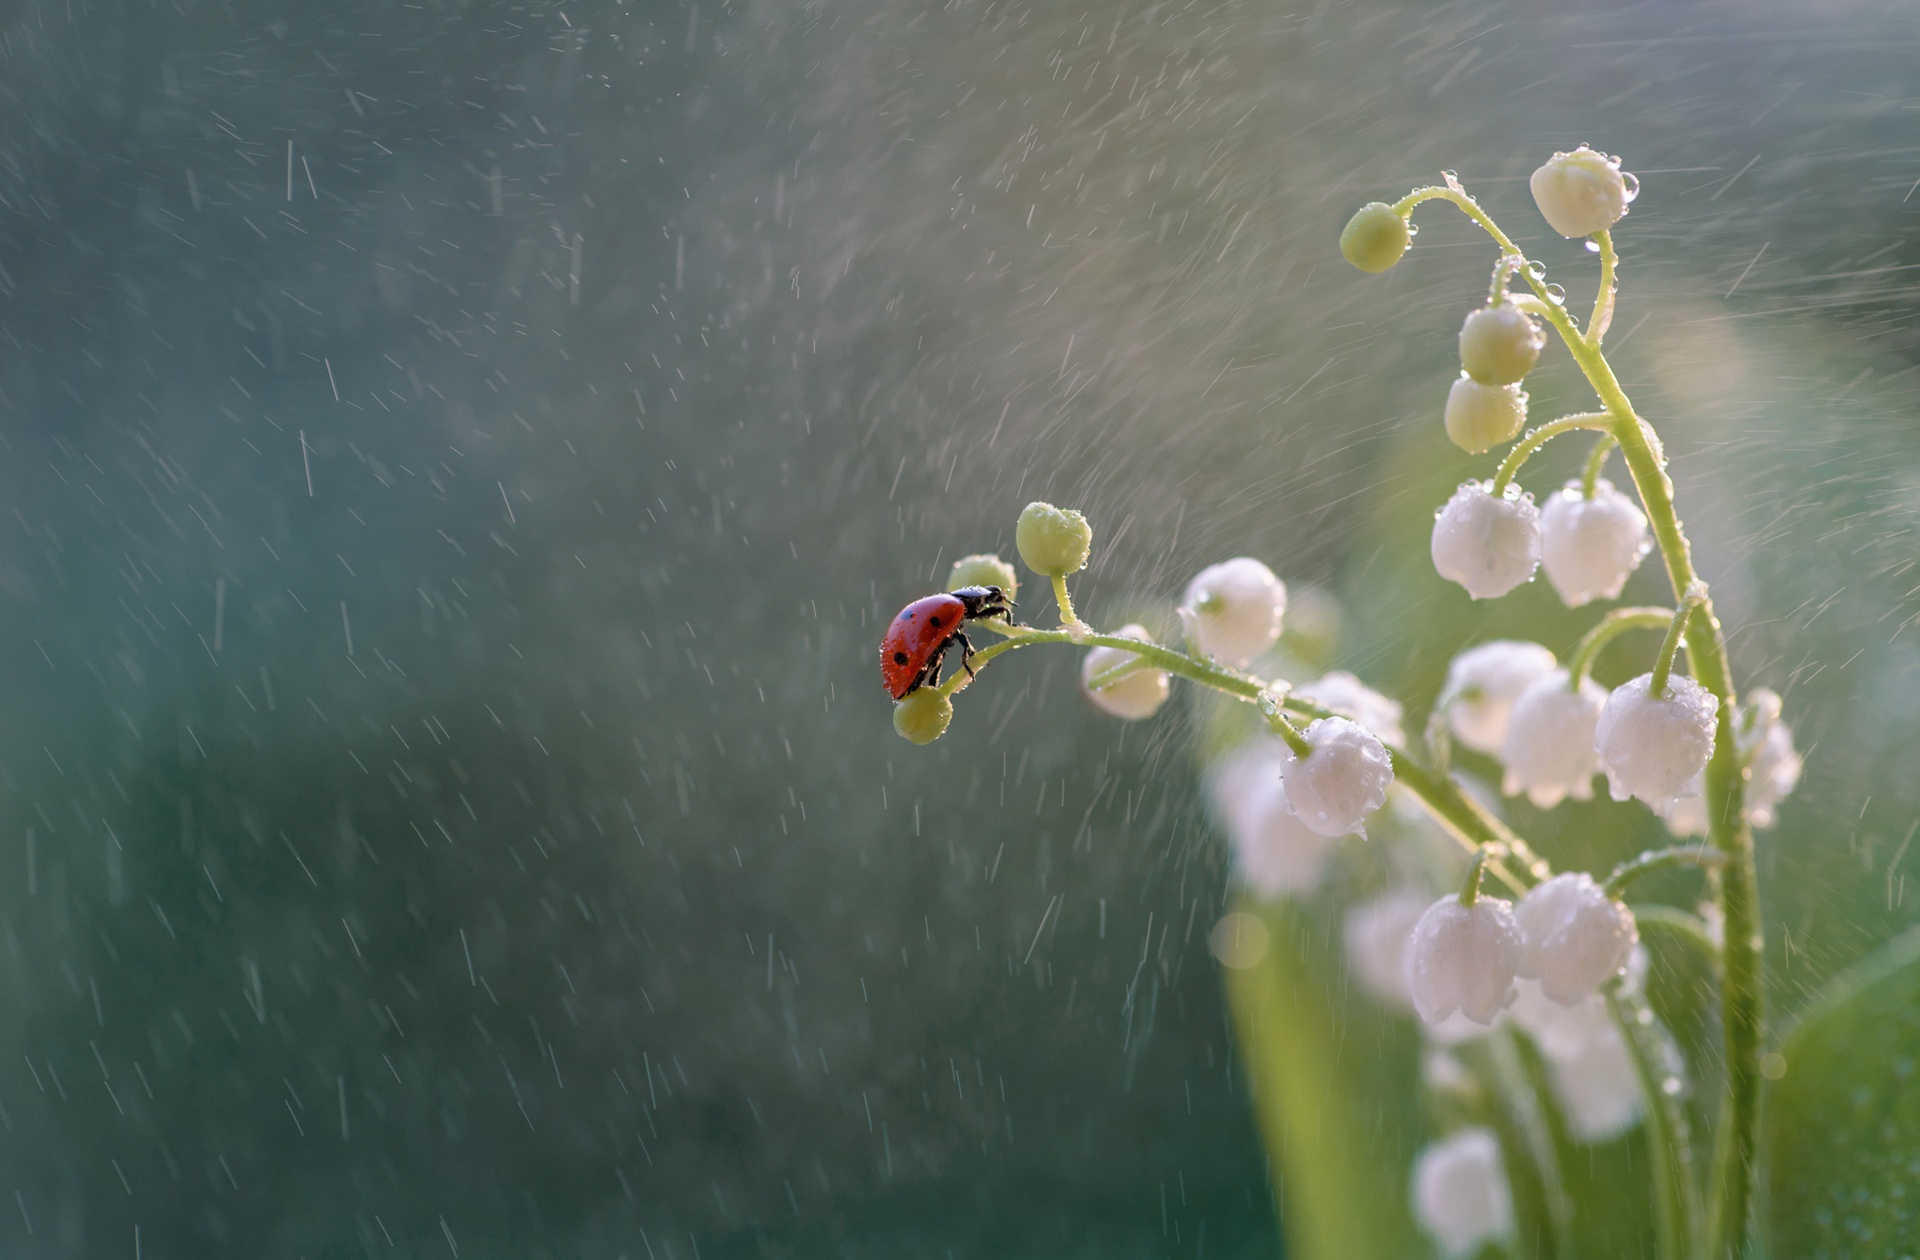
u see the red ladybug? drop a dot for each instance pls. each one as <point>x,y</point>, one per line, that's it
<point>916,643</point>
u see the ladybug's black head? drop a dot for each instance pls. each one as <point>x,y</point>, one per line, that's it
<point>984,601</point>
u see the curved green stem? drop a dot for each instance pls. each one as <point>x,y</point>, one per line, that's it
<point>1608,628</point>
<point>1067,616</point>
<point>1669,1144</point>
<point>1537,438</point>
<point>1596,460</point>
<point>1659,860</point>
<point>1682,926</point>
<point>1603,300</point>
<point>1670,646</point>
<point>1476,870</point>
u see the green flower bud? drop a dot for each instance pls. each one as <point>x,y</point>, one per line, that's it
<point>1375,237</point>
<point>1500,344</point>
<point>984,569</point>
<point>1481,417</point>
<point>923,716</point>
<point>1053,541</point>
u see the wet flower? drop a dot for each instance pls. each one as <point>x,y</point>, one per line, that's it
<point>984,569</point>
<point>1233,610</point>
<point>1376,933</point>
<point>1481,417</point>
<point>1549,751</point>
<point>1136,695</point>
<point>1773,767</point>
<point>1482,684</point>
<point>1655,747</point>
<point>1488,545</point>
<point>1573,937</point>
<point>1375,237</point>
<point>1589,547</point>
<point>1342,779</point>
<point>1053,541</point>
<point>1500,344</point>
<point>1274,853</point>
<point>1464,958</point>
<point>1460,1194</point>
<point>1345,694</point>
<point>1582,192</point>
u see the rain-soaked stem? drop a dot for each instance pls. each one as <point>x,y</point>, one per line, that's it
<point>1741,998</point>
<point>1670,647</point>
<point>1608,628</point>
<point>1476,870</point>
<point>1669,1144</point>
<point>1596,460</point>
<point>1603,300</point>
<point>1067,616</point>
<point>1659,860</point>
<point>1536,438</point>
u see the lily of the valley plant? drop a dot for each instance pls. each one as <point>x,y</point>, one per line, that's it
<point>1511,942</point>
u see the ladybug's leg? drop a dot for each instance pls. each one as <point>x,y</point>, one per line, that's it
<point>966,651</point>
<point>930,676</point>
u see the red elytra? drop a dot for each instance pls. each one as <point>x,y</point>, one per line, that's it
<point>917,641</point>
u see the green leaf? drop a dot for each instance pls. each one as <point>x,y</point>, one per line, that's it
<point>1843,1125</point>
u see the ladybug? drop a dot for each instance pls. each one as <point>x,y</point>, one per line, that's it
<point>916,643</point>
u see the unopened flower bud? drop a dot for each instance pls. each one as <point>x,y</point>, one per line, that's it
<point>1375,237</point>
<point>1053,541</point>
<point>1482,684</point>
<point>1656,747</point>
<point>1500,344</point>
<point>1582,192</point>
<point>984,569</point>
<point>1464,958</point>
<point>923,716</point>
<point>1574,937</point>
<point>1346,695</point>
<point>1233,610</point>
<point>1341,781</point>
<point>1460,1194</point>
<point>1487,545</point>
<point>1589,547</point>
<point>1481,417</point>
<point>1136,695</point>
<point>1549,751</point>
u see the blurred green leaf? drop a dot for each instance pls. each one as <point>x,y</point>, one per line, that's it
<point>1843,1125</point>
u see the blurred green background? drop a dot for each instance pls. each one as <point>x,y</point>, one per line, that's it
<point>457,458</point>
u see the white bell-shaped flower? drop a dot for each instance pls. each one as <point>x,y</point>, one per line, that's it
<point>1574,937</point>
<point>1589,547</point>
<point>1341,780</point>
<point>1460,1193</point>
<point>1500,344</point>
<point>1549,751</point>
<point>1136,695</point>
<point>1655,747</point>
<point>1480,417</point>
<point>1464,958</point>
<point>1773,767</point>
<point>1346,695</point>
<point>1488,545</point>
<point>1582,192</point>
<point>1233,610</point>
<point>1376,933</point>
<point>1482,684</point>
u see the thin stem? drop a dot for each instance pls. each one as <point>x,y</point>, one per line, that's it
<point>1270,700</point>
<point>1669,1144</point>
<point>1690,928</point>
<point>1603,300</point>
<point>1659,860</point>
<point>1067,616</point>
<point>1537,438</point>
<point>1608,628</point>
<point>1670,646</point>
<point>1503,272</point>
<point>1596,460</point>
<point>1476,870</point>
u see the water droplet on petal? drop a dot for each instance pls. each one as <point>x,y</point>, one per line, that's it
<point>1633,185</point>
<point>1593,246</point>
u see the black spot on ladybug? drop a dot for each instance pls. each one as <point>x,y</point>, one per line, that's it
<point>934,622</point>
<point>899,658</point>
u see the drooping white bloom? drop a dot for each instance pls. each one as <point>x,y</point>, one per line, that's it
<point>1500,344</point>
<point>1341,780</point>
<point>1655,747</point>
<point>1274,853</point>
<point>1588,1061</point>
<point>1464,958</point>
<point>1573,936</point>
<point>1482,684</point>
<point>1480,417</point>
<point>1773,767</point>
<point>1589,547</point>
<point>1376,933</point>
<point>1485,544</point>
<point>1345,694</point>
<point>1136,695</point>
<point>1549,749</point>
<point>1582,192</point>
<point>1460,1194</point>
<point>1233,609</point>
